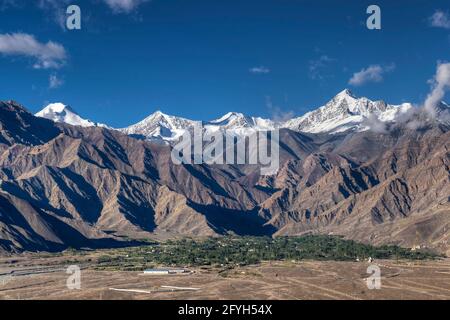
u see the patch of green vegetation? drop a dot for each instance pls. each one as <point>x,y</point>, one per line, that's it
<point>229,252</point>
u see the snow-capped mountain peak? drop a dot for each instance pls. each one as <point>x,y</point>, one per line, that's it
<point>59,112</point>
<point>346,93</point>
<point>159,125</point>
<point>343,112</point>
<point>236,120</point>
<point>233,120</point>
<point>230,116</point>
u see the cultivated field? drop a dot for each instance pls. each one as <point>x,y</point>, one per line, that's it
<point>43,276</point>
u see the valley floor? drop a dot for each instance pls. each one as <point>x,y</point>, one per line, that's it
<point>43,276</point>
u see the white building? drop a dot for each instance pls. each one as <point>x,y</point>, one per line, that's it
<point>165,271</point>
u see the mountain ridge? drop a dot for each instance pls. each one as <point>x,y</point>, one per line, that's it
<point>344,112</point>
<point>72,186</point>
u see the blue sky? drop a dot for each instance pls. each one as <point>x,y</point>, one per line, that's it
<point>202,58</point>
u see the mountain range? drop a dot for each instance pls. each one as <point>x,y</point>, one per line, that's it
<point>344,112</point>
<point>365,170</point>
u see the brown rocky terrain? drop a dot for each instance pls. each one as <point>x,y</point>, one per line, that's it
<point>43,276</point>
<point>398,194</point>
<point>65,186</point>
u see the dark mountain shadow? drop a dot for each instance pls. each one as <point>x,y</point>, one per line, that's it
<point>89,205</point>
<point>20,126</point>
<point>208,182</point>
<point>107,163</point>
<point>135,205</point>
<point>16,191</point>
<point>69,236</point>
<point>74,239</point>
<point>113,147</point>
<point>10,216</point>
<point>140,215</point>
<point>150,170</point>
<point>243,223</point>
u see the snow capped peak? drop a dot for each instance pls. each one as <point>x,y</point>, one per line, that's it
<point>236,120</point>
<point>155,117</point>
<point>345,112</point>
<point>172,121</point>
<point>159,126</point>
<point>59,112</point>
<point>57,107</point>
<point>158,114</point>
<point>233,120</point>
<point>229,116</point>
<point>346,93</point>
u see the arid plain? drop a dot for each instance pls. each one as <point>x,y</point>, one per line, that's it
<point>43,276</point>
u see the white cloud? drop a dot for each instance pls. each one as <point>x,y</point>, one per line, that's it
<point>373,73</point>
<point>124,6</point>
<point>48,55</point>
<point>54,82</point>
<point>259,70</point>
<point>441,83</point>
<point>440,19</point>
<point>375,124</point>
<point>419,116</point>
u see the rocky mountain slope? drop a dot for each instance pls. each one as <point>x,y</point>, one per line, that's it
<point>378,188</point>
<point>73,186</point>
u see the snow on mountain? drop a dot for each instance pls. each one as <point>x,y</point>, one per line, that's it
<point>59,112</point>
<point>235,120</point>
<point>442,113</point>
<point>345,112</point>
<point>342,113</point>
<point>160,126</point>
